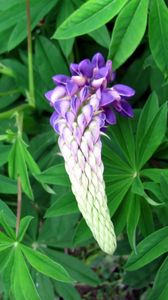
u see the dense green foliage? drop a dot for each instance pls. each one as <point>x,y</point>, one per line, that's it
<point>51,254</point>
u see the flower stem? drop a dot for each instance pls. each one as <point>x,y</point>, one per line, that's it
<point>8,114</point>
<point>19,206</point>
<point>30,56</point>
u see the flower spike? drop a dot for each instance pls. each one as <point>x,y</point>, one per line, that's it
<point>84,106</point>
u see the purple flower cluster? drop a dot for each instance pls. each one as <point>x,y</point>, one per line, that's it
<point>89,83</point>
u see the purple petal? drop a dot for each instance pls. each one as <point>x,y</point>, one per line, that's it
<point>79,80</point>
<point>102,117</point>
<point>110,75</point>
<point>98,60</point>
<point>89,139</point>
<point>108,97</point>
<point>55,94</point>
<point>84,93</point>
<point>48,95</point>
<point>61,107</point>
<point>97,83</point>
<point>70,117</point>
<point>53,119</point>
<point>74,69</point>
<point>71,88</point>
<point>75,104</point>
<point>124,90</point>
<point>88,112</point>
<point>102,73</point>
<point>126,109</point>
<point>86,68</point>
<point>60,79</point>
<point>110,116</point>
<point>81,120</point>
<point>94,102</point>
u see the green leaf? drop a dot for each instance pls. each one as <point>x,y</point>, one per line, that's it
<point>23,286</point>
<point>4,239</point>
<point>158,34</point>
<point>4,152</point>
<point>64,205</point>
<point>47,57</point>
<point>146,219</point>
<point>76,268</point>
<point>65,9</point>
<point>153,137</point>
<point>120,217</point>
<point>23,226</point>
<point>5,257</point>
<point>67,291</point>
<point>17,19</point>
<point>133,219</point>
<point>164,186</point>
<point>154,174</point>
<point>6,226</point>
<point>149,249</point>
<point>45,265</point>
<point>123,136</point>
<point>101,36</point>
<point>128,31</point>
<point>146,117</point>
<point>160,287</point>
<point>7,185</point>
<point>82,233</point>
<point>17,166</point>
<point>45,287</point>
<point>90,16</point>
<point>9,215</point>
<point>55,175</point>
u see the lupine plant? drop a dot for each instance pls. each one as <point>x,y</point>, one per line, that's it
<point>83,149</point>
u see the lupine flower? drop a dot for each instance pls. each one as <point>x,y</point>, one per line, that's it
<point>84,105</point>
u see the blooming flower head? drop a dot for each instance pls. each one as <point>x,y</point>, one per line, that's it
<point>84,104</point>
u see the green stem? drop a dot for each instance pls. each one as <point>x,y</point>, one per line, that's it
<point>11,92</point>
<point>30,56</point>
<point>9,113</point>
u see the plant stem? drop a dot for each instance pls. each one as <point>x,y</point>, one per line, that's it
<point>30,56</point>
<point>19,205</point>
<point>7,114</point>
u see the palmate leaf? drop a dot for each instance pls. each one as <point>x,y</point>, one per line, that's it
<point>128,31</point>
<point>149,249</point>
<point>82,234</point>
<point>7,185</point>
<point>90,16</point>
<point>133,219</point>
<point>8,213</point>
<point>45,265</point>
<point>45,287</point>
<point>75,267</point>
<point>17,166</point>
<point>6,226</point>
<point>64,205</point>
<point>54,175</point>
<point>23,286</point>
<point>67,291</point>
<point>23,226</point>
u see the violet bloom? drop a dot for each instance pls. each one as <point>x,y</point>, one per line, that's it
<point>84,105</point>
